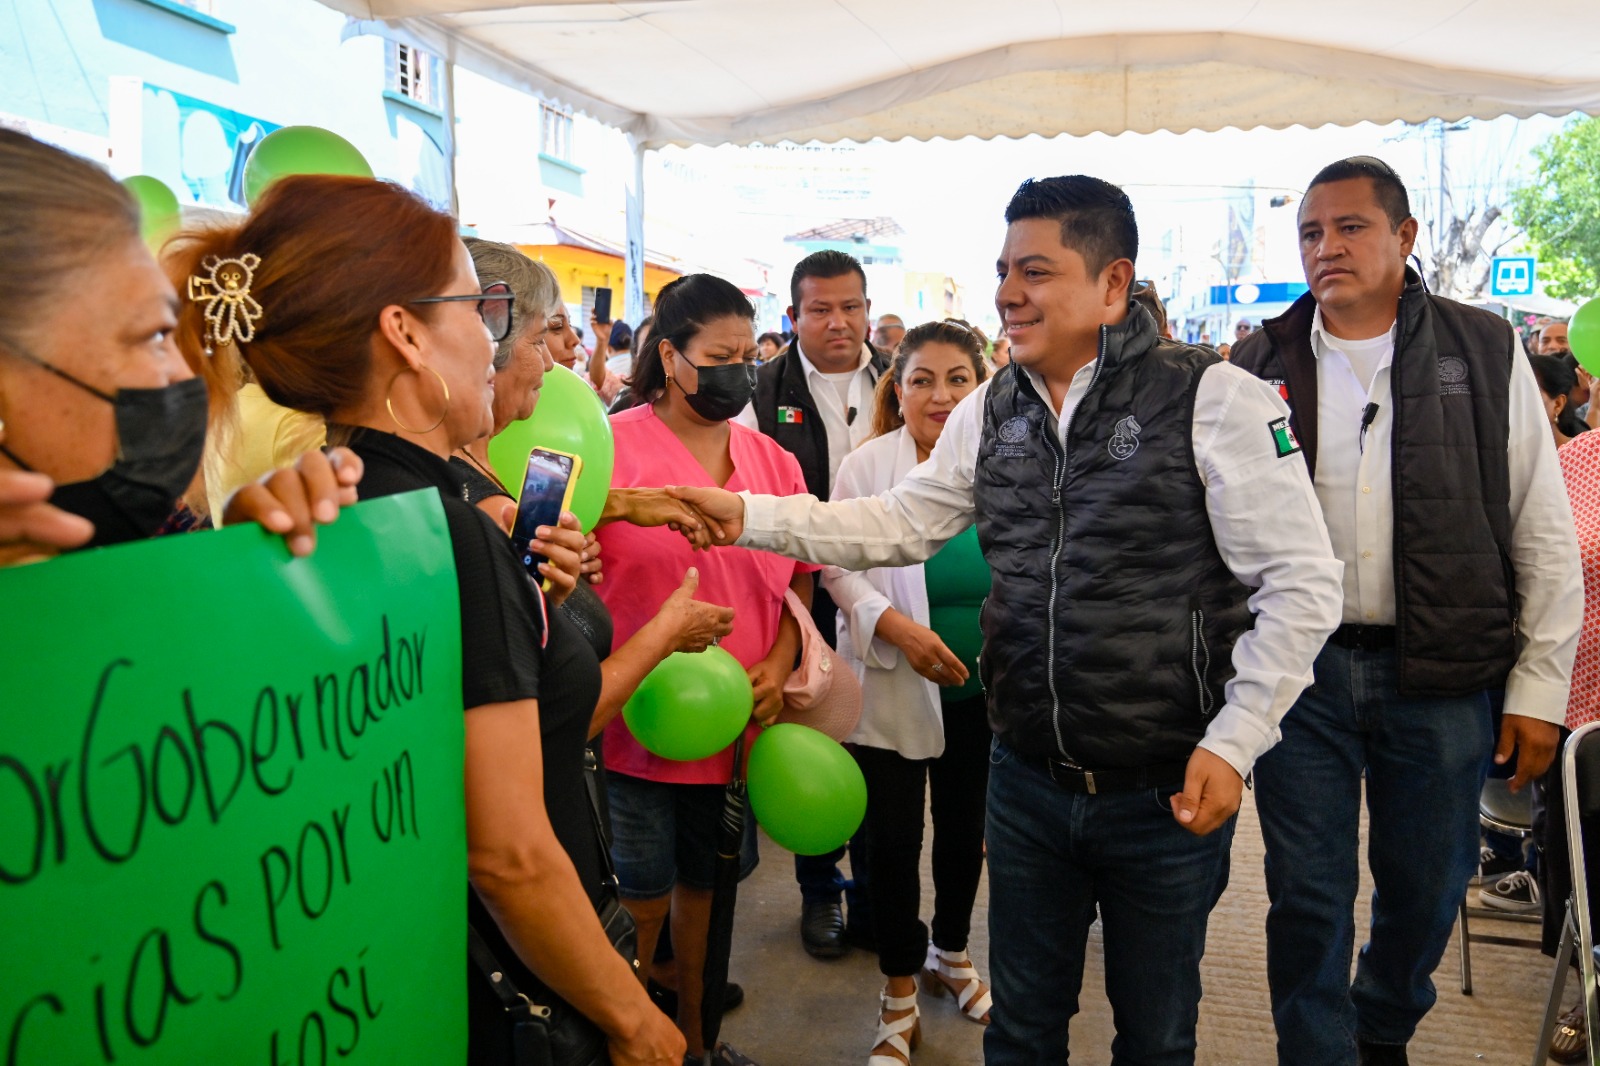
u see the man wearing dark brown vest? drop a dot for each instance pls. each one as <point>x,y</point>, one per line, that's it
<point>1430,453</point>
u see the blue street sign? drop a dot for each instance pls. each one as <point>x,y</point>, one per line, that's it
<point>1512,275</point>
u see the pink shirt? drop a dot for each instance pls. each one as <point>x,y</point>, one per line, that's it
<point>645,566</point>
<point>1580,467</point>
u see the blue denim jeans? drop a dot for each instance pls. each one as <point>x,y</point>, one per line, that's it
<point>1424,761</point>
<point>821,880</point>
<point>1054,856</point>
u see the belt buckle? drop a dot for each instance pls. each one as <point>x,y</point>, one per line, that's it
<point>1068,764</point>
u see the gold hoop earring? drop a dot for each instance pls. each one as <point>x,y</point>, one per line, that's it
<point>388,401</point>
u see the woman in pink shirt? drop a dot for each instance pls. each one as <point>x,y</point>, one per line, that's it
<point>696,374</point>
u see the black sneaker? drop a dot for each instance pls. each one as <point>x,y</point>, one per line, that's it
<point>1515,893</point>
<point>1492,866</point>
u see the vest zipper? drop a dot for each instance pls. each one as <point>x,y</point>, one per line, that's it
<point>1396,420</point>
<point>1061,454</point>
<point>1200,660</point>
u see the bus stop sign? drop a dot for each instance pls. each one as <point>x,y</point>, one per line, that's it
<point>1512,275</point>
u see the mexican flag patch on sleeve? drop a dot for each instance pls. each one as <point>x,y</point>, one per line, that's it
<point>1283,438</point>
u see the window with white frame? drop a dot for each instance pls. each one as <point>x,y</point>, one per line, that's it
<point>555,132</point>
<point>414,74</point>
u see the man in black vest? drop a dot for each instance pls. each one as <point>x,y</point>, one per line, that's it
<point>1161,584</point>
<point>1438,479</point>
<point>815,399</point>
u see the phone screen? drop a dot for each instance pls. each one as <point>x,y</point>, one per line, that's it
<point>544,487</point>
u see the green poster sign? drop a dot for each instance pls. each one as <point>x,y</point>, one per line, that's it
<point>231,807</point>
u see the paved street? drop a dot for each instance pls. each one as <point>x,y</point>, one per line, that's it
<point>802,1011</point>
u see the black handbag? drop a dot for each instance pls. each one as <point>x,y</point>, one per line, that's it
<point>545,1029</point>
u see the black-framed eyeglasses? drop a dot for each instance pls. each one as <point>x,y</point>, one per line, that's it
<point>494,307</point>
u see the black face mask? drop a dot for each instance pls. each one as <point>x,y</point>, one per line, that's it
<point>723,391</point>
<point>161,437</point>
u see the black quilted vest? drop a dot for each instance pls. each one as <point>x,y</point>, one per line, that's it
<point>1109,632</point>
<point>1455,591</point>
<point>781,383</point>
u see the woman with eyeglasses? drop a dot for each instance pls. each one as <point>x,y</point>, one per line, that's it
<point>102,423</point>
<point>912,635</point>
<point>695,375</point>
<point>521,361</point>
<point>374,320</point>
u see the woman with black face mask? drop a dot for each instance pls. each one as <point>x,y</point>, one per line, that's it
<point>695,373</point>
<point>102,423</point>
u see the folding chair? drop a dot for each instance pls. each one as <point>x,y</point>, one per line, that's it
<point>1502,811</point>
<point>1580,787</point>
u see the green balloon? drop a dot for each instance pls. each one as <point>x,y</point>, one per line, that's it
<point>805,789</point>
<point>569,418</point>
<point>300,150</point>
<point>691,706</point>
<point>1583,336</point>
<point>159,212</point>
<point>958,628</point>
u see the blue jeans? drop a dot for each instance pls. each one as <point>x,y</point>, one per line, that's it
<point>821,880</point>
<point>1053,856</point>
<point>1424,761</point>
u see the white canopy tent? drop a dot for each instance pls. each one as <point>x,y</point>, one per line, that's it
<point>742,71</point>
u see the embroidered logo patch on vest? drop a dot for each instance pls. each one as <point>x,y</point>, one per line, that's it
<point>1013,430</point>
<point>1125,438</point>
<point>1453,374</point>
<point>791,416</point>
<point>1283,438</point>
<point>1281,385</point>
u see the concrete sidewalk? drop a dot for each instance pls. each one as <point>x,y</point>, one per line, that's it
<point>801,1011</point>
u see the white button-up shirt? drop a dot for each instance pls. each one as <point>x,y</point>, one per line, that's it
<point>1356,492</point>
<point>1263,514</point>
<point>844,430</point>
<point>1353,479</point>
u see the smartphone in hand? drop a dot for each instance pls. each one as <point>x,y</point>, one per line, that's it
<point>547,487</point>
<point>602,306</point>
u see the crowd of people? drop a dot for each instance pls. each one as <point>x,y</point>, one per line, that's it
<point>1092,581</point>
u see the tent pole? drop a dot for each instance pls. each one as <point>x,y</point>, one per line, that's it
<point>633,298</point>
<point>450,134</point>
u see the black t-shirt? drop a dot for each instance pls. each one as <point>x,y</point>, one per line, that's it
<point>502,627</point>
<point>583,608</point>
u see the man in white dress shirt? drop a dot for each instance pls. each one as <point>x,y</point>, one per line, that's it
<point>1161,584</point>
<point>1435,469</point>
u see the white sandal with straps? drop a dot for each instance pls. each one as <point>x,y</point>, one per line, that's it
<point>902,1034</point>
<point>945,970</point>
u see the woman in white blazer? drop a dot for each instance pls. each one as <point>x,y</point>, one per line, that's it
<point>912,635</point>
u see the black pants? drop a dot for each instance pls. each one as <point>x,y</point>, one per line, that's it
<point>894,824</point>
<point>1555,869</point>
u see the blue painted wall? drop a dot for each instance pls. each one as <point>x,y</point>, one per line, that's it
<point>171,95</point>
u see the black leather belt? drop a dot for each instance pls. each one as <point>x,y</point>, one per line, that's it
<point>1075,778</point>
<point>1363,638</point>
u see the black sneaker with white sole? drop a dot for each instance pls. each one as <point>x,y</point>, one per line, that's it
<point>1492,866</point>
<point>1515,893</point>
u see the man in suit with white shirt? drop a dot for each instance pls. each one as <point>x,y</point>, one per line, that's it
<point>1431,458</point>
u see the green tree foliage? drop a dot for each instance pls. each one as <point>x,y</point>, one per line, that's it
<point>1560,210</point>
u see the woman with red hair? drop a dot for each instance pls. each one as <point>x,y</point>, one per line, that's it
<point>365,311</point>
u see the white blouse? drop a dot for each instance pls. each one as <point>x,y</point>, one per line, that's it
<point>900,708</point>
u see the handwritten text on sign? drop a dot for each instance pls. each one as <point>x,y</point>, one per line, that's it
<point>231,823</point>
